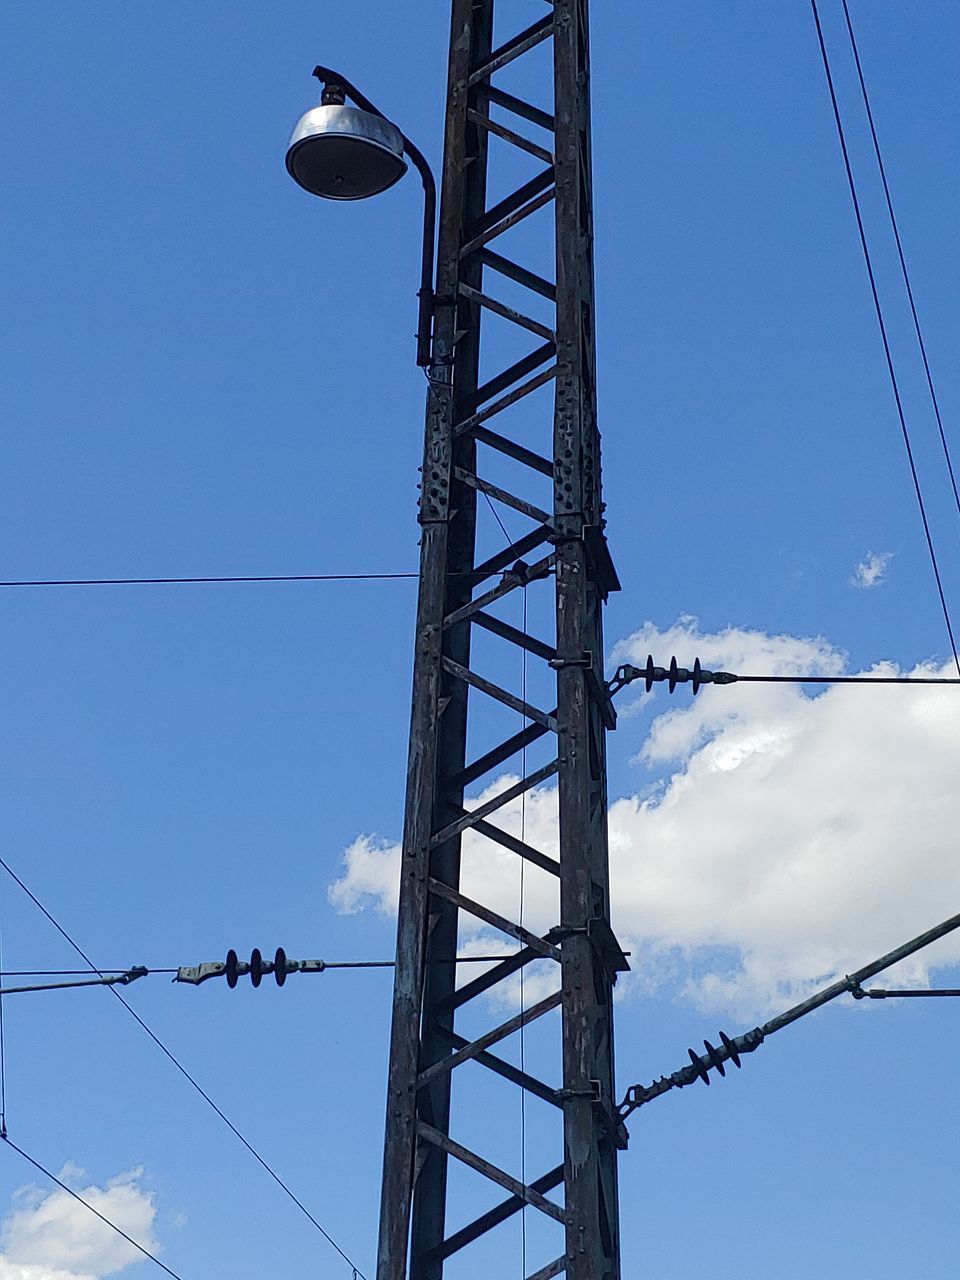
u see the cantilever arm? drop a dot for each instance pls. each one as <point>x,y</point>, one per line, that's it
<point>730,1050</point>
<point>425,292</point>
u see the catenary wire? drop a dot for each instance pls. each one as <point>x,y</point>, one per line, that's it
<point>328,964</point>
<point>212,578</point>
<point>87,1205</point>
<point>3,1048</point>
<point>66,973</point>
<point>883,333</point>
<point>215,579</point>
<point>849,679</point>
<point>185,1073</point>
<point>903,259</point>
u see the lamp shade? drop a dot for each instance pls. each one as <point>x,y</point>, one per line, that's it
<point>343,153</point>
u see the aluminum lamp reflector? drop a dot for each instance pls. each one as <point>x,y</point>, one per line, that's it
<point>343,153</point>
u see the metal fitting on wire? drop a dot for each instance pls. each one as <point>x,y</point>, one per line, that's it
<point>233,968</point>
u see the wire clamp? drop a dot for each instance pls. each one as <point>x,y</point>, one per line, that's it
<point>585,661</point>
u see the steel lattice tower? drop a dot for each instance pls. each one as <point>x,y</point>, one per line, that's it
<point>472,426</point>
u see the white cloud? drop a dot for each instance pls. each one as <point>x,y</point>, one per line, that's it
<point>871,570</point>
<point>778,838</point>
<point>51,1236</point>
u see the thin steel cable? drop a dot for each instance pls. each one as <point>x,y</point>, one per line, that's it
<point>849,679</point>
<point>72,984</point>
<point>883,333</point>
<point>523,861</point>
<point>184,1072</point>
<point>329,964</point>
<point>174,582</point>
<point>87,1205</point>
<point>496,516</point>
<point>67,973</point>
<point>63,973</point>
<point>3,1047</point>
<point>903,259</point>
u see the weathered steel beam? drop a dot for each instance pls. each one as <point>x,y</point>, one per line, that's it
<point>473,422</point>
<point>546,950</point>
<point>522,275</point>
<point>485,981</point>
<point>475,1047</point>
<point>540,569</point>
<point>491,1171</point>
<point>503,495</point>
<point>455,597</point>
<point>500,695</point>
<point>519,106</point>
<point>500,1213</point>
<point>496,802</point>
<point>508,556</point>
<point>508,313</point>
<point>509,135</point>
<point>509,376</point>
<point>513,48</point>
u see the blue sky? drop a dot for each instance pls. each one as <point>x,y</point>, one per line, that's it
<point>206,372</point>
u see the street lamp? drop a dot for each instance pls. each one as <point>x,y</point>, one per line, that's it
<point>341,152</point>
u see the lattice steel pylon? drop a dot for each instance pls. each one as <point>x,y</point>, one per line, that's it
<point>541,155</point>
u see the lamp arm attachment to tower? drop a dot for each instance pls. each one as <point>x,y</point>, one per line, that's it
<point>333,80</point>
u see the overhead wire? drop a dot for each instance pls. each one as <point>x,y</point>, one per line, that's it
<point>66,973</point>
<point>87,1205</point>
<point>848,679</point>
<point>523,861</point>
<point>3,1046</point>
<point>902,257</point>
<point>211,578</point>
<point>868,261</point>
<point>186,1074</point>
<point>145,971</point>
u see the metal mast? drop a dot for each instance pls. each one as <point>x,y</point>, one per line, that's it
<point>527,410</point>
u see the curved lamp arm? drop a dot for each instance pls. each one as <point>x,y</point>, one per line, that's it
<point>333,80</point>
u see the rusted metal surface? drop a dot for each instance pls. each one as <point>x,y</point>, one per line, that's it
<point>473,422</point>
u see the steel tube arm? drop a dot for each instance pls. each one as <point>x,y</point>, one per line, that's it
<point>730,1050</point>
<point>428,252</point>
<point>122,979</point>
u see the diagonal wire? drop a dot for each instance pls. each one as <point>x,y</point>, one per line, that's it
<point>902,256</point>
<point>883,333</point>
<point>87,1205</point>
<point>3,1049</point>
<point>185,1073</point>
<point>496,516</point>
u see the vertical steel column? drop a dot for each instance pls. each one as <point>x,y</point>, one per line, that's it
<point>457,594</point>
<point>590,1154</point>
<point>438,718</point>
